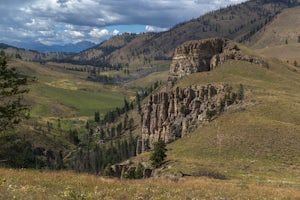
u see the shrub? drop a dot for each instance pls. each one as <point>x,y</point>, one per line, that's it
<point>158,154</point>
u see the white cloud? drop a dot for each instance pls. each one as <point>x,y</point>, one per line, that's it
<point>74,33</point>
<point>115,32</point>
<point>149,28</point>
<point>47,33</point>
<point>32,23</point>
<point>96,33</point>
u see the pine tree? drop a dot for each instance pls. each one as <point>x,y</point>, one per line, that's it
<point>97,117</point>
<point>158,154</point>
<point>12,108</point>
<point>139,171</point>
<point>241,94</point>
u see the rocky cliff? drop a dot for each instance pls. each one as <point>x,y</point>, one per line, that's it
<point>177,111</point>
<point>205,55</point>
<point>170,115</point>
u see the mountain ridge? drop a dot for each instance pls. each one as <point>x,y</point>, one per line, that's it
<point>238,22</point>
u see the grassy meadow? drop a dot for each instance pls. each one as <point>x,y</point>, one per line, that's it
<point>58,92</point>
<point>30,184</point>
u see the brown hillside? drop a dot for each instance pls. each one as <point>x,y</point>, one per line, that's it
<point>283,30</point>
<point>239,23</point>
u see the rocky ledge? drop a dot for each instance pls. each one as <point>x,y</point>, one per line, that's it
<point>205,55</point>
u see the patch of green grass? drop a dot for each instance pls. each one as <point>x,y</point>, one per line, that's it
<point>62,93</point>
<point>84,103</point>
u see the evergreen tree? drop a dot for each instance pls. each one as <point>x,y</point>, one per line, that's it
<point>125,121</point>
<point>12,108</point>
<point>139,171</point>
<point>241,94</point>
<point>97,117</point>
<point>102,134</point>
<point>131,124</point>
<point>158,154</point>
<point>126,105</point>
<point>119,129</point>
<point>87,125</point>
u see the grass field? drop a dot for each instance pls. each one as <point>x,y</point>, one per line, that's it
<point>287,53</point>
<point>82,103</point>
<point>63,93</point>
<point>28,184</point>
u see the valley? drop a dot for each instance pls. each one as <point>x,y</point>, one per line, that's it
<point>222,97</point>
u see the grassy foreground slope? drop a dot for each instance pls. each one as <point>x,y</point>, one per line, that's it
<point>28,184</point>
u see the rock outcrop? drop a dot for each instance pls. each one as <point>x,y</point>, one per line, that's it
<point>170,115</point>
<point>205,55</point>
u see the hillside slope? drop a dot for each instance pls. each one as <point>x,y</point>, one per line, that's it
<point>238,22</point>
<point>257,141</point>
<point>280,38</point>
<point>283,30</point>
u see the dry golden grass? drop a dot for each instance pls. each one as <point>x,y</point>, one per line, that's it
<point>279,39</point>
<point>30,184</point>
<point>284,28</point>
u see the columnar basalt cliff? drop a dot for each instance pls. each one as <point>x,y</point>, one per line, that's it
<point>170,115</point>
<point>205,55</point>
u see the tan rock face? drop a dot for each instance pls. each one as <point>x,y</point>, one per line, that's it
<point>205,55</point>
<point>170,115</point>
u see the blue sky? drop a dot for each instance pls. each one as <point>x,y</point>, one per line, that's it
<point>53,22</point>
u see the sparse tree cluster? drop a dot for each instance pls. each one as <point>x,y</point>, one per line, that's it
<point>99,158</point>
<point>12,87</point>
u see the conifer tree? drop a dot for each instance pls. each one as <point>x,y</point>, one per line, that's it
<point>158,154</point>
<point>97,117</point>
<point>12,88</point>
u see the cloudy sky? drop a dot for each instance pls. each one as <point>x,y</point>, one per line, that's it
<point>70,21</point>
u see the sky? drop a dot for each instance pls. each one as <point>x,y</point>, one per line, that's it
<point>58,22</point>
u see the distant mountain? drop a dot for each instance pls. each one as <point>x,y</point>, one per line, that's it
<point>32,55</point>
<point>72,48</point>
